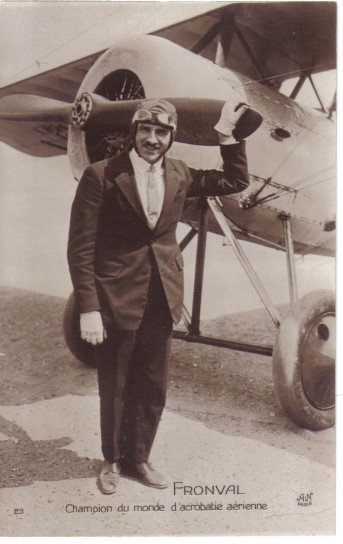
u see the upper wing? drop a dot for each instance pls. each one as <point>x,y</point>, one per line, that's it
<point>263,41</point>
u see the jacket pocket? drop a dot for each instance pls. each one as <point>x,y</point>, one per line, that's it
<point>110,269</point>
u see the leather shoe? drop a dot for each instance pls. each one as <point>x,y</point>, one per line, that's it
<point>145,473</point>
<point>109,477</point>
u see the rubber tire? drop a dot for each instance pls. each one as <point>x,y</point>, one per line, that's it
<point>287,362</point>
<point>82,350</point>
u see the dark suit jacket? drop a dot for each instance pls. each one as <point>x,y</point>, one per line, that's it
<point>110,240</point>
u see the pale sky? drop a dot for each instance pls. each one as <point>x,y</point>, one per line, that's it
<point>42,35</point>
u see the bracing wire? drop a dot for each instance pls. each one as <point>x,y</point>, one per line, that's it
<point>292,72</point>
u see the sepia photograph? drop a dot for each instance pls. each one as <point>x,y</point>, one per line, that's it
<point>168,269</point>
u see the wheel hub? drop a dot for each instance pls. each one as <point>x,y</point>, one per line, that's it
<point>318,362</point>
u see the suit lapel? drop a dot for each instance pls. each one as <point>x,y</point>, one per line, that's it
<point>171,187</point>
<point>120,171</point>
<point>128,186</point>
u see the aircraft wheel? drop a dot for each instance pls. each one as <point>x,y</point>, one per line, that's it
<point>304,361</point>
<point>83,351</point>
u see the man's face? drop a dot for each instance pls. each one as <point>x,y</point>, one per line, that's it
<point>152,141</point>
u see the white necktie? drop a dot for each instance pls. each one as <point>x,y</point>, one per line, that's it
<point>153,201</point>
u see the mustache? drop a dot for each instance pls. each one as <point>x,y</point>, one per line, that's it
<point>152,146</point>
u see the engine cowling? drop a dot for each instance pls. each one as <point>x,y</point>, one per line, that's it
<point>146,67</point>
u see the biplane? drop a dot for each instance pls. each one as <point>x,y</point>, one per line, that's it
<point>239,52</point>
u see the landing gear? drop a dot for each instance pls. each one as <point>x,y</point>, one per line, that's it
<point>304,361</point>
<point>304,352</point>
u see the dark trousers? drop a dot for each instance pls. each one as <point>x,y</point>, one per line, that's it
<point>132,377</point>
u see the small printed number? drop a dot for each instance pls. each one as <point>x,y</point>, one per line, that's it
<point>18,511</point>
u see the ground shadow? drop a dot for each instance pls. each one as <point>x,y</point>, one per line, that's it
<point>24,461</point>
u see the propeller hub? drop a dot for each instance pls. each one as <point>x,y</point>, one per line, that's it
<point>81,110</point>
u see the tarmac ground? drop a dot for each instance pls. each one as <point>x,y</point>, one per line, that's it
<point>236,464</point>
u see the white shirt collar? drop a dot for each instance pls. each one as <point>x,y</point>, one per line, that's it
<point>141,166</point>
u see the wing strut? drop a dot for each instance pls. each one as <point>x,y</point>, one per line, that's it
<point>206,39</point>
<point>307,75</point>
<point>247,47</point>
<point>292,281</point>
<point>215,205</point>
<point>192,322</point>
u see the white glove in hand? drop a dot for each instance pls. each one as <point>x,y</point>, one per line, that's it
<point>228,119</point>
<point>92,329</point>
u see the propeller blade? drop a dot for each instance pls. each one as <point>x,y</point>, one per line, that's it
<point>28,107</point>
<point>196,117</point>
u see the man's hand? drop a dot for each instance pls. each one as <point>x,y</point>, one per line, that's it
<point>229,117</point>
<point>92,328</point>
<point>237,122</point>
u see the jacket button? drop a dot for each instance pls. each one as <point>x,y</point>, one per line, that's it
<point>151,243</point>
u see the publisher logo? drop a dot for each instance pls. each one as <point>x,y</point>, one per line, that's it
<point>305,499</point>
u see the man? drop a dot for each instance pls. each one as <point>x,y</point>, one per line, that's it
<point>127,272</point>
